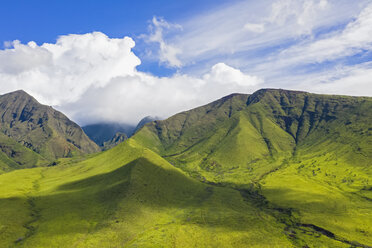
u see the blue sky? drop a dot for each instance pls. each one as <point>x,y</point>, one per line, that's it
<point>122,60</point>
<point>44,20</point>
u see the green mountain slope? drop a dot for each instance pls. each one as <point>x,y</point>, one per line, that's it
<point>15,156</point>
<point>272,169</point>
<point>116,140</point>
<point>39,128</point>
<point>310,154</point>
<point>128,196</point>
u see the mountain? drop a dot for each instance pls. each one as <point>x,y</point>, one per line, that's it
<point>276,168</point>
<point>144,121</point>
<point>108,135</point>
<point>43,133</point>
<point>116,140</point>
<point>308,154</point>
<point>104,132</point>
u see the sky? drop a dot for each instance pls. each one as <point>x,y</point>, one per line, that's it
<point>119,61</point>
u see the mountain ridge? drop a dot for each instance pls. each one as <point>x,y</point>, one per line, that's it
<point>40,128</point>
<point>275,168</point>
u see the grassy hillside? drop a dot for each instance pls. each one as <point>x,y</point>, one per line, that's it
<point>15,156</point>
<point>272,169</point>
<point>128,196</point>
<point>306,153</point>
<point>38,128</point>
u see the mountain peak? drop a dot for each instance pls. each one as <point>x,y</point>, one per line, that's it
<point>19,95</point>
<point>271,92</point>
<point>41,128</point>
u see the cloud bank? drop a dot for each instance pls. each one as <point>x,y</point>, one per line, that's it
<point>321,46</point>
<point>92,77</point>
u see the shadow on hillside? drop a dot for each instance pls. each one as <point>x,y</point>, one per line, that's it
<point>124,194</point>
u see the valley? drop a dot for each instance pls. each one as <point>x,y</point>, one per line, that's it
<point>276,168</point>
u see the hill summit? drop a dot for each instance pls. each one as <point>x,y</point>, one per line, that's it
<point>40,128</point>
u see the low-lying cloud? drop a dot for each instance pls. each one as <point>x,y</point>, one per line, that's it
<point>93,78</point>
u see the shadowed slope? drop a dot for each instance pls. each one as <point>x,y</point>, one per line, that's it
<point>129,196</point>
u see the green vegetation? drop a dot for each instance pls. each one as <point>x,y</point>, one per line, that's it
<point>272,169</point>
<point>308,154</point>
<point>116,140</point>
<point>32,134</point>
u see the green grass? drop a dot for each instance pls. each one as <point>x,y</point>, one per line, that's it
<point>310,154</point>
<point>129,196</point>
<point>15,156</point>
<point>274,169</point>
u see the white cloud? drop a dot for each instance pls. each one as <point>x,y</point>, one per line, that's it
<point>303,14</point>
<point>131,98</point>
<point>61,72</point>
<point>226,75</point>
<point>255,27</point>
<point>167,52</point>
<point>92,77</point>
<point>349,41</point>
<point>350,80</point>
<point>245,27</point>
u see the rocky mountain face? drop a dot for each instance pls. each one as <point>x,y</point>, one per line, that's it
<point>269,125</point>
<point>116,140</point>
<point>144,121</point>
<point>40,128</point>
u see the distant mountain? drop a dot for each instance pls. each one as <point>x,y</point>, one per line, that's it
<point>107,135</point>
<point>144,121</point>
<point>44,133</point>
<point>116,140</point>
<point>104,132</point>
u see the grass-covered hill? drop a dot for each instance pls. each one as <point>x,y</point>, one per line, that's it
<point>273,169</point>
<point>310,154</point>
<point>33,134</point>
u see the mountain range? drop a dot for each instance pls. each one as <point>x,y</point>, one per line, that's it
<point>276,168</point>
<point>106,134</point>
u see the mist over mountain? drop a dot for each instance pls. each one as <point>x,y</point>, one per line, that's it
<point>102,132</point>
<point>144,121</point>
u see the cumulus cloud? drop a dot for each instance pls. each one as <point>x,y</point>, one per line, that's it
<point>61,72</point>
<point>92,77</point>
<point>130,98</point>
<point>226,75</point>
